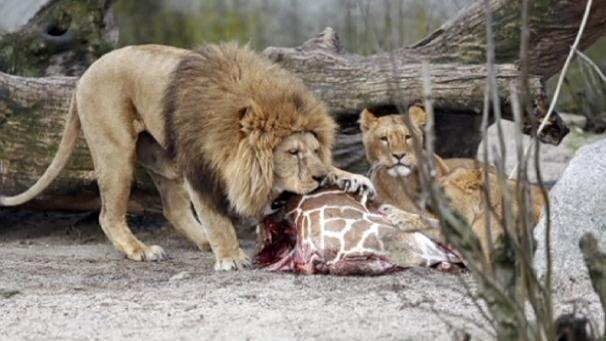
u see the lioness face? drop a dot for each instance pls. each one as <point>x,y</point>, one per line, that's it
<point>388,141</point>
<point>298,167</point>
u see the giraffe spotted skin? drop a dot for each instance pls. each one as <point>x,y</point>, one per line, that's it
<point>332,232</point>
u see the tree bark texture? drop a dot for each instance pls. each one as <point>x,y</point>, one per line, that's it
<point>348,83</point>
<point>553,27</point>
<point>32,110</point>
<point>32,116</point>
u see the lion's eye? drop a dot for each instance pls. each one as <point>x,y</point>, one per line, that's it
<point>384,139</point>
<point>293,151</point>
<point>408,137</point>
<point>317,151</point>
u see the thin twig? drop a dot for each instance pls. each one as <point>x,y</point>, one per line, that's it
<point>556,94</point>
<point>496,108</point>
<point>429,127</point>
<point>592,64</point>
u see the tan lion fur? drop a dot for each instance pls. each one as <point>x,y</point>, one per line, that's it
<point>221,128</point>
<point>385,138</point>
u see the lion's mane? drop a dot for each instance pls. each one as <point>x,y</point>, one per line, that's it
<point>226,110</point>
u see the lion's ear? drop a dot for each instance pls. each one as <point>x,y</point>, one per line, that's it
<point>249,117</point>
<point>418,116</point>
<point>367,120</point>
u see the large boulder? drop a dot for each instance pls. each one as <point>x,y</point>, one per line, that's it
<point>578,205</point>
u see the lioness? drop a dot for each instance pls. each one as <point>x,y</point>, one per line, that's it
<point>390,150</point>
<point>237,131</point>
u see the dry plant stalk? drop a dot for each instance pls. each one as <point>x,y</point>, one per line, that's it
<point>507,281</point>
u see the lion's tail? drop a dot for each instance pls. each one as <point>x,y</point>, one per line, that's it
<point>64,152</point>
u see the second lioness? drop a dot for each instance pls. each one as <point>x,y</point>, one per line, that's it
<point>237,130</point>
<point>390,150</point>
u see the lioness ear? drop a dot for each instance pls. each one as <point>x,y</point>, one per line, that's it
<point>367,120</point>
<point>418,116</point>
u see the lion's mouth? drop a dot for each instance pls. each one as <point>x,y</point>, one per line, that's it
<point>400,169</point>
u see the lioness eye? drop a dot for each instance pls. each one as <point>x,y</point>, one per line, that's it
<point>384,138</point>
<point>293,151</point>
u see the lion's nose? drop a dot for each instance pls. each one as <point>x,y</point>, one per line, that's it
<point>399,156</point>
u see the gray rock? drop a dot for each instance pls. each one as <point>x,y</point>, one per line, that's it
<point>574,120</point>
<point>180,276</point>
<point>553,158</point>
<point>578,205</point>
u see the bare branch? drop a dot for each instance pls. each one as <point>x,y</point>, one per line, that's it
<point>563,72</point>
<point>592,64</point>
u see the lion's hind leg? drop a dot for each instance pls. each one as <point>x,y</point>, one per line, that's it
<point>112,147</point>
<point>115,176</point>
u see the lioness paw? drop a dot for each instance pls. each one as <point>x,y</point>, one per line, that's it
<point>151,254</point>
<point>241,261</point>
<point>408,221</point>
<point>392,214</point>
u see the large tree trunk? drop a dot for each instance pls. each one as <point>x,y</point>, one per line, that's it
<point>32,110</point>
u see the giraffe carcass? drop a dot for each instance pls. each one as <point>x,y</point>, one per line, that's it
<point>332,232</point>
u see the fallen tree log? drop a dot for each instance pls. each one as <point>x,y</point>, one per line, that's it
<point>348,83</point>
<point>32,110</point>
<point>553,25</point>
<point>346,86</point>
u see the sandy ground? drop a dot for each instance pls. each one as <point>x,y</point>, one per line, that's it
<point>60,279</point>
<point>71,284</point>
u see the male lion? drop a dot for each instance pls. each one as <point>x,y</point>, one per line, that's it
<point>237,131</point>
<point>392,154</point>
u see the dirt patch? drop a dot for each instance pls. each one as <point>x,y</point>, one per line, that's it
<point>68,282</point>
<point>65,281</point>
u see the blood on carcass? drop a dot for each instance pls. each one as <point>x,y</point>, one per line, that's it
<point>332,232</point>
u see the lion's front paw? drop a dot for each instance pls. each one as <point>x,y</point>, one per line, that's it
<point>354,183</point>
<point>238,262</point>
<point>148,253</point>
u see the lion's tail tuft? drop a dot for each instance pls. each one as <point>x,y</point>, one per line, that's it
<point>64,152</point>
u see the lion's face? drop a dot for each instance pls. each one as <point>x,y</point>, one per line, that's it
<point>388,140</point>
<point>298,167</point>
